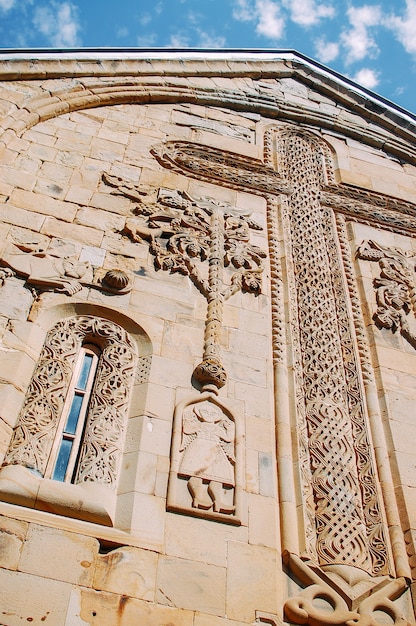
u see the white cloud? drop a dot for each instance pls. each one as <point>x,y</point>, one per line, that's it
<point>178,40</point>
<point>308,12</point>
<point>267,14</point>
<point>207,40</point>
<point>367,78</point>
<point>357,40</point>
<point>326,51</point>
<point>144,19</point>
<point>244,11</point>
<point>404,27</point>
<point>146,41</point>
<point>270,23</point>
<point>5,5</point>
<point>59,23</point>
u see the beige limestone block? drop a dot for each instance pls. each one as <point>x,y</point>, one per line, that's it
<point>50,188</point>
<point>128,571</point>
<point>169,373</point>
<point>257,400</point>
<point>21,217</point>
<point>57,228</point>
<point>252,471</point>
<point>179,341</point>
<point>71,559</point>
<point>11,400</point>
<point>191,585</point>
<point>25,598</point>
<point>16,368</point>
<point>12,537</point>
<point>262,521</point>
<point>143,515</point>
<point>259,434</point>
<point>15,178</point>
<point>155,435</point>
<point>251,581</point>
<point>138,473</point>
<point>108,202</point>
<point>211,620</point>
<point>5,436</point>
<point>102,220</point>
<point>159,400</point>
<point>43,204</point>
<point>99,608</point>
<point>45,153</point>
<point>186,538</point>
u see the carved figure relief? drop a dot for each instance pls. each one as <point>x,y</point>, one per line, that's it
<point>206,464</point>
<point>395,288</point>
<point>208,456</point>
<point>44,270</point>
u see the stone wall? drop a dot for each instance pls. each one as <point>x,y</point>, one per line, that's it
<point>240,239</point>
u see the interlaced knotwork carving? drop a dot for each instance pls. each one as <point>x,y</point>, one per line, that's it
<point>104,432</point>
<point>377,544</point>
<point>143,369</point>
<point>344,522</point>
<point>395,288</point>
<point>205,163</point>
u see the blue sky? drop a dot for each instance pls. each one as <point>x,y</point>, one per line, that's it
<point>374,43</point>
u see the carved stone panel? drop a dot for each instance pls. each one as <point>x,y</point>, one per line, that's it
<point>206,460</point>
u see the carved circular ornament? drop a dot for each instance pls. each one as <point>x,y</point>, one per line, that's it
<point>210,372</point>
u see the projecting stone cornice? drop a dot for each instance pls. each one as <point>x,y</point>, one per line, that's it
<point>57,84</point>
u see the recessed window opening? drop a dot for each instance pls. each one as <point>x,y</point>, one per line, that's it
<point>63,460</point>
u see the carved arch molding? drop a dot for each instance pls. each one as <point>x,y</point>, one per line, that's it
<point>86,93</point>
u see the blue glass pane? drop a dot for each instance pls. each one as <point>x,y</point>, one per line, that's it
<point>72,421</point>
<point>62,460</point>
<point>85,370</point>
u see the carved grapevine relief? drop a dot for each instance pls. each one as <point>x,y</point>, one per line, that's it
<point>395,288</point>
<point>208,241</point>
<point>34,434</point>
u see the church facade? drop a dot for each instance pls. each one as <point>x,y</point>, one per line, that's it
<point>207,343</point>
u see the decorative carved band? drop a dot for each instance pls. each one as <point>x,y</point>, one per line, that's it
<point>348,527</point>
<point>104,432</point>
<point>230,169</point>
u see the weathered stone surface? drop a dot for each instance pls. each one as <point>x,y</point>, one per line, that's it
<point>190,585</point>
<point>127,571</point>
<point>73,562</point>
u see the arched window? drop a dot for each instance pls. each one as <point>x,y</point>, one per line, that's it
<point>63,461</point>
<point>73,420</point>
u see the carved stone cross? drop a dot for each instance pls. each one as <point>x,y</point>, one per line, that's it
<point>343,519</point>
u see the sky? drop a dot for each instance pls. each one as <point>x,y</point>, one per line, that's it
<point>372,43</point>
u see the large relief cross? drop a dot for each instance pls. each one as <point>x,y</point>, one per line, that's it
<point>343,513</point>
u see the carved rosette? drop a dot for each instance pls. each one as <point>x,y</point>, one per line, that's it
<point>104,432</point>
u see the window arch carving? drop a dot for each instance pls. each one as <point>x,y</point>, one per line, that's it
<point>103,437</point>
